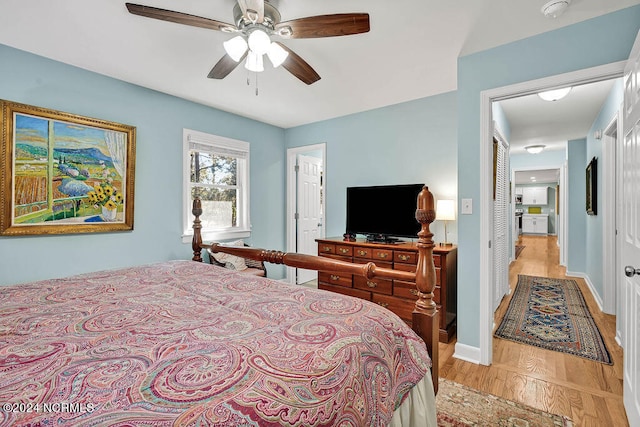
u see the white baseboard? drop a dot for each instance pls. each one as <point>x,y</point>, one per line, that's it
<point>467,353</point>
<point>589,285</point>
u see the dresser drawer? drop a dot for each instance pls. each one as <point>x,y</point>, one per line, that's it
<point>345,291</point>
<point>404,289</point>
<point>412,269</point>
<point>380,286</point>
<point>408,290</point>
<point>335,279</point>
<point>400,306</point>
<point>344,250</point>
<point>362,252</point>
<point>326,248</point>
<point>405,257</point>
<point>382,254</point>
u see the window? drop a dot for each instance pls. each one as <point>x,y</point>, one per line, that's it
<point>216,169</point>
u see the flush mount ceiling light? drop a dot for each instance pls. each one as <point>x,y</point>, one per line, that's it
<point>534,149</point>
<point>555,94</point>
<point>555,8</point>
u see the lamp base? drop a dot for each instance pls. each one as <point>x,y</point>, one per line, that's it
<point>446,244</point>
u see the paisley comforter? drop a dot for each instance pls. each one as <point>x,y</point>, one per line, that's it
<point>186,343</point>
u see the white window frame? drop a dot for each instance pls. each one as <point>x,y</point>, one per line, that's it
<point>217,143</point>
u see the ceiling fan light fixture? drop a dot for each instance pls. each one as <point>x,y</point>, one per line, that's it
<point>555,94</point>
<point>235,48</point>
<point>254,62</point>
<point>259,42</point>
<point>277,54</point>
<point>534,149</point>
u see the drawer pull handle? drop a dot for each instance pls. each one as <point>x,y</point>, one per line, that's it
<point>383,304</point>
<point>327,249</point>
<point>414,292</point>
<point>362,253</point>
<point>404,257</point>
<point>383,255</point>
<point>344,250</point>
<point>371,284</point>
<point>334,277</point>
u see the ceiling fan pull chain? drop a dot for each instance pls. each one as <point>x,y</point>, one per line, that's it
<point>256,84</point>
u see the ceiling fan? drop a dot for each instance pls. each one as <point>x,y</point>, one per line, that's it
<point>256,21</point>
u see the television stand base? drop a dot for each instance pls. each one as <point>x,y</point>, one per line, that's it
<point>379,238</point>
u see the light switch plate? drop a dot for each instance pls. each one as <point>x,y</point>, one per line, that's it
<point>467,207</point>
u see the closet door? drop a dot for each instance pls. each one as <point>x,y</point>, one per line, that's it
<point>501,220</point>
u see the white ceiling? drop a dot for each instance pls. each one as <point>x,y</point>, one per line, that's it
<point>411,51</point>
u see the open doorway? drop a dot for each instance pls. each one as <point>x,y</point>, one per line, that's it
<point>574,79</point>
<point>306,177</point>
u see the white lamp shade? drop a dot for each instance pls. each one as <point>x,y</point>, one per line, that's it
<point>555,94</point>
<point>235,48</point>
<point>259,42</point>
<point>254,62</point>
<point>277,54</point>
<point>446,210</point>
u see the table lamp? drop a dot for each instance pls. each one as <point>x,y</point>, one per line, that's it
<point>446,211</point>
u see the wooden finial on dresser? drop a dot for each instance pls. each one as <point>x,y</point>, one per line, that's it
<point>425,313</point>
<point>196,241</point>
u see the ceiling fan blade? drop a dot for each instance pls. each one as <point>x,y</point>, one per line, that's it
<point>224,67</point>
<point>179,17</point>
<point>299,67</point>
<point>341,24</point>
<point>253,10</point>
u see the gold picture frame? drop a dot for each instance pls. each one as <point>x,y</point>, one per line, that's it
<point>62,173</point>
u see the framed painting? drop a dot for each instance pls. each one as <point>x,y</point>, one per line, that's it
<point>62,173</point>
<point>592,192</point>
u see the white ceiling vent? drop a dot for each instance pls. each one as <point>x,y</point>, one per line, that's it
<point>555,8</point>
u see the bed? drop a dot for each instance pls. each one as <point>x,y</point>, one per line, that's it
<point>189,343</point>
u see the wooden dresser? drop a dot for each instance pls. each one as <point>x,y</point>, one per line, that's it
<point>396,295</point>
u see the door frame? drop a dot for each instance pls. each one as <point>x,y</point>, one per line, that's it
<point>610,166</point>
<point>292,155</point>
<point>487,97</point>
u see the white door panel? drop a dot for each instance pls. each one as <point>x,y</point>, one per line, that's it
<point>309,211</point>
<point>631,233</point>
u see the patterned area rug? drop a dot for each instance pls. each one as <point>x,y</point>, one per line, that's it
<point>461,406</point>
<point>519,250</point>
<point>552,314</point>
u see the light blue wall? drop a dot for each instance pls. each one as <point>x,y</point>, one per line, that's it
<point>412,142</point>
<point>594,42</point>
<point>594,223</point>
<point>159,120</point>
<point>577,238</point>
<point>502,123</point>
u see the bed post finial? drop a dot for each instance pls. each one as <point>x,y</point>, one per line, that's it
<point>425,313</point>
<point>197,230</point>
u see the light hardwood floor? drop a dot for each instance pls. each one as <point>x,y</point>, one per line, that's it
<point>590,393</point>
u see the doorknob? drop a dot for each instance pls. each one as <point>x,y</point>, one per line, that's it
<point>629,271</point>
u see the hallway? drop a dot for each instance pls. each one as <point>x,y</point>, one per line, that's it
<point>590,393</point>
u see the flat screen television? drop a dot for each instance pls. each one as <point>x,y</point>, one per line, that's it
<point>383,212</point>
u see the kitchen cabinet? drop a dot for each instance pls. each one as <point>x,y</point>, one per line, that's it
<point>535,224</point>
<point>534,195</point>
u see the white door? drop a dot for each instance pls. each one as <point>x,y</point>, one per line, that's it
<point>630,231</point>
<point>309,211</point>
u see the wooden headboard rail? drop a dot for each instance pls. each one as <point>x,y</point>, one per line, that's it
<point>425,314</point>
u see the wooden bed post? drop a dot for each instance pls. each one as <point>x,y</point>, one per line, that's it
<point>425,313</point>
<point>196,241</point>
